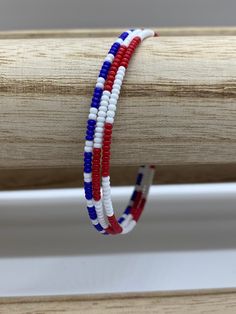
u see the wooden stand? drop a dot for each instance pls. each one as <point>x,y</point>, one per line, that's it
<point>177,107</point>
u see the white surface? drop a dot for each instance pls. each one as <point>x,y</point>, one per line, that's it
<point>185,240</point>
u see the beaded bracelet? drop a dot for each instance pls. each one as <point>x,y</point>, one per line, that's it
<point>98,140</point>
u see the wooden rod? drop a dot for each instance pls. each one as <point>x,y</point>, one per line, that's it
<point>177,105</point>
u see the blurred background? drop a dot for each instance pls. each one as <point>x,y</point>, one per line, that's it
<point>26,14</point>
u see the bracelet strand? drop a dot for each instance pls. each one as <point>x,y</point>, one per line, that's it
<point>98,141</point>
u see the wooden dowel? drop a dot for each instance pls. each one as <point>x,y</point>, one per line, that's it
<point>177,106</point>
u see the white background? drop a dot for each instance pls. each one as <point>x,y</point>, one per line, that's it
<point>18,14</point>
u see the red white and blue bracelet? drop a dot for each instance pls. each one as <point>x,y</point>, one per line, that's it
<point>98,142</point>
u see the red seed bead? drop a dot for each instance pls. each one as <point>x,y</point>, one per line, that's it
<point>108,125</point>
<point>114,224</point>
<point>113,73</point>
<point>115,64</point>
<point>108,87</point>
<point>125,60</point>
<point>124,64</point>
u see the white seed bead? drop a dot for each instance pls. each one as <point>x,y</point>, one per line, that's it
<point>106,189</point>
<point>88,149</point>
<point>110,114</point>
<point>101,113</point>
<point>116,86</point>
<point>114,96</point>
<point>122,69</point>
<point>118,81</point>
<point>106,179</point>
<point>98,140</point>
<point>98,129</point>
<point>109,57</point>
<point>126,42</point>
<point>100,124</point>
<point>87,180</point>
<point>106,92</point>
<point>98,135</point>
<point>100,80</point>
<point>112,107</point>
<point>104,103</point>
<point>87,175</point>
<point>90,202</point>
<point>116,91</point>
<point>103,108</point>
<point>105,184</point>
<point>119,77</point>
<point>112,101</point>
<point>93,110</point>
<point>101,119</point>
<point>109,120</point>
<point>89,143</point>
<point>97,145</point>
<point>119,40</point>
<point>94,221</point>
<point>92,116</point>
<point>105,97</point>
<point>100,85</point>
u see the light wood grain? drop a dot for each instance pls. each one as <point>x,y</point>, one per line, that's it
<point>177,105</point>
<point>190,303</point>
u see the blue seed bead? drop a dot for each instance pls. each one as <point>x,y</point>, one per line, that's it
<point>90,133</point>
<point>139,178</point>
<point>105,67</point>
<point>103,71</point>
<point>127,211</point>
<point>91,122</point>
<point>98,227</point>
<point>88,197</point>
<point>97,95</point>
<point>91,127</point>
<point>92,213</point>
<point>112,51</point>
<point>121,219</point>
<point>98,90</point>
<point>94,105</point>
<point>107,63</point>
<point>88,154</point>
<point>103,76</point>
<point>89,138</point>
<point>124,35</point>
<point>96,99</point>
<point>133,195</point>
<point>87,169</point>
<point>88,184</point>
<point>87,164</point>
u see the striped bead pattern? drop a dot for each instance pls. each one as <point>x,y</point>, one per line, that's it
<point>98,141</point>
